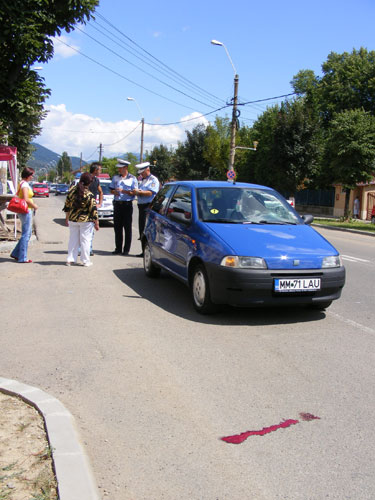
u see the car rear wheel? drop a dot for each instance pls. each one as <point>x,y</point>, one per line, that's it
<point>200,291</point>
<point>151,270</point>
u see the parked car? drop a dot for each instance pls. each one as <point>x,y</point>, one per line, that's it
<point>61,189</point>
<point>52,188</point>
<point>105,212</point>
<point>239,244</point>
<point>40,189</point>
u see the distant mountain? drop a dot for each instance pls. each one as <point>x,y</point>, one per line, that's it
<point>45,158</point>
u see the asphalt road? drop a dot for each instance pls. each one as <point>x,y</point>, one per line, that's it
<point>154,386</point>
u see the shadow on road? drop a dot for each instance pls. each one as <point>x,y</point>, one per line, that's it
<point>174,297</point>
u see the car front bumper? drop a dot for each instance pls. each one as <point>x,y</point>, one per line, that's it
<point>252,287</point>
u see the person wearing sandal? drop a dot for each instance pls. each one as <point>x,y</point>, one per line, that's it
<point>82,217</point>
<point>19,253</point>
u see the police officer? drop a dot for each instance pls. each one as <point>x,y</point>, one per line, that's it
<point>146,192</point>
<point>122,186</point>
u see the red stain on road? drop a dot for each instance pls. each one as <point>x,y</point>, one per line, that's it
<point>240,438</point>
<point>308,417</point>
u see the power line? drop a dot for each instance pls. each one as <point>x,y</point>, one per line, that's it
<point>155,58</point>
<point>122,76</point>
<point>127,135</point>
<point>166,72</point>
<point>144,71</point>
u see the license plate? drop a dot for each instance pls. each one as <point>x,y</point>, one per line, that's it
<point>297,284</point>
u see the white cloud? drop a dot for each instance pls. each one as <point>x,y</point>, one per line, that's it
<point>79,133</point>
<point>62,50</point>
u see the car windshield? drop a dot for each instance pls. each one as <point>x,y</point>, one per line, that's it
<point>244,205</point>
<point>40,186</point>
<point>105,189</point>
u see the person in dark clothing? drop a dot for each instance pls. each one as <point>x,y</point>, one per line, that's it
<point>122,186</point>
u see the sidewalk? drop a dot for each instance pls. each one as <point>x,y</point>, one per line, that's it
<point>75,479</point>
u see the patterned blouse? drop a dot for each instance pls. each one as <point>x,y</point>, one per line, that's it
<point>87,212</point>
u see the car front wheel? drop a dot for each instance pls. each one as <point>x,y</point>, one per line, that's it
<point>200,291</point>
<point>150,269</point>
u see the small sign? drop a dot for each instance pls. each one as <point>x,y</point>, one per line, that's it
<point>231,174</point>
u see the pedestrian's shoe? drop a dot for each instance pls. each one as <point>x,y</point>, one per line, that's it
<point>15,258</point>
<point>87,264</point>
<point>91,253</point>
<point>125,253</point>
<point>115,252</point>
<point>25,261</point>
<point>68,263</point>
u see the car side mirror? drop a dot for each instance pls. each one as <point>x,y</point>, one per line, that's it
<point>307,219</point>
<point>181,217</point>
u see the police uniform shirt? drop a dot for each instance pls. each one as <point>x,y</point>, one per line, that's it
<point>150,183</point>
<point>128,183</point>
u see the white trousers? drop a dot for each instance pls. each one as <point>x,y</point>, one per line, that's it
<point>80,234</point>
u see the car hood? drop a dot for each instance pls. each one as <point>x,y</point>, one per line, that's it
<point>281,246</point>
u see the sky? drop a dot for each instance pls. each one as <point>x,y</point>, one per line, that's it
<point>160,55</point>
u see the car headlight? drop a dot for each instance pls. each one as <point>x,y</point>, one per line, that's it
<point>332,261</point>
<point>243,262</point>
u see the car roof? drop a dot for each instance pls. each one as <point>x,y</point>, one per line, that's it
<point>217,184</point>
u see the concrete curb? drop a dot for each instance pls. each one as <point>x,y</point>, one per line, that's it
<point>75,479</point>
<point>345,229</point>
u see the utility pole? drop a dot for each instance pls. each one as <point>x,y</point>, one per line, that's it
<point>80,163</point>
<point>100,152</point>
<point>234,125</point>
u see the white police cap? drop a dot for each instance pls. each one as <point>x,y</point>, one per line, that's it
<point>122,163</point>
<point>142,166</point>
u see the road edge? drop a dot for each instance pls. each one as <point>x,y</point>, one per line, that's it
<point>74,475</point>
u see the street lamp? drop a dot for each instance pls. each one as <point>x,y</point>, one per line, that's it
<point>234,110</point>
<point>143,126</point>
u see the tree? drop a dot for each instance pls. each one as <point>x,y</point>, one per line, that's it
<point>217,145</point>
<point>161,159</point>
<point>189,160</point>
<point>64,165</point>
<point>27,29</point>
<point>288,149</point>
<point>350,150</point>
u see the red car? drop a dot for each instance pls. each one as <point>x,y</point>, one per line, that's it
<point>41,190</point>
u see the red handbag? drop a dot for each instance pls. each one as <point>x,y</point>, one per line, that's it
<point>18,205</point>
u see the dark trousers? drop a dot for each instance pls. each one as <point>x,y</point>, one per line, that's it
<point>122,221</point>
<point>142,208</point>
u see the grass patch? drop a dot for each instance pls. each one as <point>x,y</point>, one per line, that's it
<point>353,224</point>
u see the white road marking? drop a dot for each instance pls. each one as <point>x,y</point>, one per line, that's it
<point>353,259</point>
<point>351,323</point>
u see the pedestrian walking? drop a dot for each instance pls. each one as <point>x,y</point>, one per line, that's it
<point>82,219</point>
<point>147,189</point>
<point>123,186</point>
<point>95,171</point>
<point>25,192</point>
<point>356,208</point>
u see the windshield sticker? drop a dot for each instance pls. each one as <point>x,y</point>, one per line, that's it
<point>214,211</point>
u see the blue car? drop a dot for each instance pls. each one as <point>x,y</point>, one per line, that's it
<point>61,189</point>
<point>239,244</point>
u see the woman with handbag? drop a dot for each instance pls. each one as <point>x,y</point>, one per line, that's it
<point>25,192</point>
<point>82,219</point>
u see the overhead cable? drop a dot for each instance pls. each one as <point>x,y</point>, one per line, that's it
<point>153,57</point>
<point>146,72</point>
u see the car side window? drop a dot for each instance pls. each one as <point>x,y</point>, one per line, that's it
<point>160,201</point>
<point>181,204</point>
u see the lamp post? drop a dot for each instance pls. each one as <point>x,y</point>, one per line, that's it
<point>142,128</point>
<point>234,109</point>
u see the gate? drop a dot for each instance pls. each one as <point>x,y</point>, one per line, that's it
<point>370,204</point>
